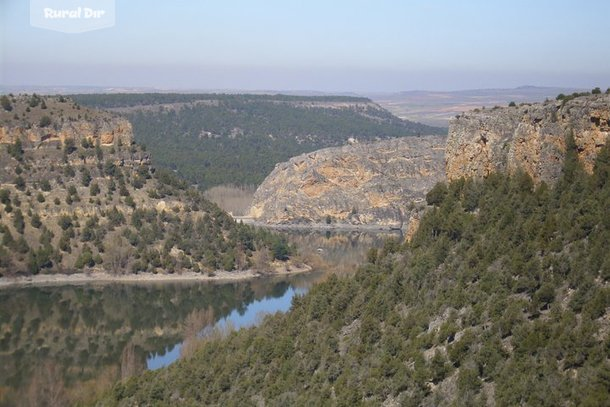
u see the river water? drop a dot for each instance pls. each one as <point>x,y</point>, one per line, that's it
<point>62,345</point>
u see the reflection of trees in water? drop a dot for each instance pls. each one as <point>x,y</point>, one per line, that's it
<point>46,387</point>
<point>91,336</point>
<point>86,332</point>
<point>131,362</point>
<point>337,251</point>
<point>193,326</point>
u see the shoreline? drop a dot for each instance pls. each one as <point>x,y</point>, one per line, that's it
<point>103,277</point>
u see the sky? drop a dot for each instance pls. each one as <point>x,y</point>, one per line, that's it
<point>325,45</point>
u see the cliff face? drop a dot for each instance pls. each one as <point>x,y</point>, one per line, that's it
<point>109,131</point>
<point>357,184</point>
<point>527,137</point>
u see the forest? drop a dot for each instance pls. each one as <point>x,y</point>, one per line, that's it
<point>501,295</point>
<point>238,139</point>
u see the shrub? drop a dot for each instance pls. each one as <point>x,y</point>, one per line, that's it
<point>437,194</point>
<point>18,221</point>
<point>36,222</point>
<point>6,103</point>
<point>19,183</point>
<point>64,222</point>
<point>5,196</point>
<point>69,146</point>
<point>94,189</point>
<point>44,121</point>
<point>85,259</point>
<point>15,150</point>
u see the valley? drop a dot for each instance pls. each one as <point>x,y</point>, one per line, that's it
<point>498,235</point>
<point>304,203</point>
<point>499,297</point>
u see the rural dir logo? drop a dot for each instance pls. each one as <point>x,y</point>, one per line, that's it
<point>72,16</point>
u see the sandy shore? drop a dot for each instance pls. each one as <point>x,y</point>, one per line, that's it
<point>99,276</point>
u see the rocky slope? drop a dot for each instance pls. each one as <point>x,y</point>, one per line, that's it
<point>530,137</point>
<point>359,184</point>
<point>76,193</point>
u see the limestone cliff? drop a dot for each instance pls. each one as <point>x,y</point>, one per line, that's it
<point>530,137</point>
<point>358,184</point>
<point>35,120</point>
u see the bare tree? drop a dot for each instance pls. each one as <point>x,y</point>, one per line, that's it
<point>47,387</point>
<point>117,255</point>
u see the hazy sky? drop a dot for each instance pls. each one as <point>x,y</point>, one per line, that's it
<point>327,45</point>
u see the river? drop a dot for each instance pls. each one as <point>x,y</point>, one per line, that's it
<point>67,344</point>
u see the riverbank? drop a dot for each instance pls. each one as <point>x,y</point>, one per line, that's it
<point>103,277</point>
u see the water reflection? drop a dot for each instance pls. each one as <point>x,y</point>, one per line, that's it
<point>339,252</point>
<point>200,323</point>
<point>67,344</point>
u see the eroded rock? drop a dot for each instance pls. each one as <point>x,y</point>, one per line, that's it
<point>360,184</point>
<point>527,137</point>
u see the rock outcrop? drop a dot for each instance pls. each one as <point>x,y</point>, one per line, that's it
<point>530,137</point>
<point>109,131</point>
<point>36,121</point>
<point>359,184</point>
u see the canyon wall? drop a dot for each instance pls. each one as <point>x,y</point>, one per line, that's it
<point>530,137</point>
<point>360,184</point>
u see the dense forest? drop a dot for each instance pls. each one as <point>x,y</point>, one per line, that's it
<point>502,295</point>
<point>238,139</point>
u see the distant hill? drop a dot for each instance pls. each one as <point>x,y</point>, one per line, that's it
<point>214,139</point>
<point>436,108</point>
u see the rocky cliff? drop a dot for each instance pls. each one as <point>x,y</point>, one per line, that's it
<point>35,120</point>
<point>530,137</point>
<point>359,184</point>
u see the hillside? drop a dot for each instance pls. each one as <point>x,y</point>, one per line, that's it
<point>77,193</point>
<point>500,298</point>
<point>381,183</point>
<point>213,139</point>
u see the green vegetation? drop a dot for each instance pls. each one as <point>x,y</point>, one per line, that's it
<point>214,139</point>
<point>502,293</point>
<point>566,98</point>
<point>15,150</point>
<point>45,121</point>
<point>5,102</point>
<point>114,100</point>
<point>82,206</point>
